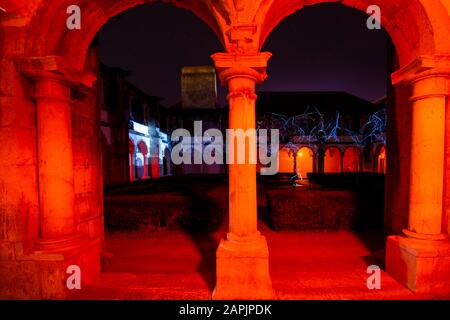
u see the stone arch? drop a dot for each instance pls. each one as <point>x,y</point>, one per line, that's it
<point>142,147</point>
<point>352,159</point>
<point>131,146</point>
<point>167,163</point>
<point>73,45</point>
<point>142,168</point>
<point>304,161</point>
<point>380,159</point>
<point>415,27</point>
<point>286,160</point>
<point>332,160</point>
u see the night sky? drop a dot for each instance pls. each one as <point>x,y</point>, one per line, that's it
<point>320,48</point>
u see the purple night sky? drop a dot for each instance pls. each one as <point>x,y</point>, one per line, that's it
<point>320,48</point>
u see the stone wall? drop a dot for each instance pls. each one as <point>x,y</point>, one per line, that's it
<point>87,165</point>
<point>446,204</point>
<point>18,179</point>
<point>23,273</point>
<point>19,208</point>
<point>398,161</point>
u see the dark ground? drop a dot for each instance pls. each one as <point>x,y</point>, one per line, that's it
<point>175,259</point>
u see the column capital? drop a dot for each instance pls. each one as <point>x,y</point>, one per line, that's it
<point>425,66</point>
<point>54,68</point>
<point>231,65</point>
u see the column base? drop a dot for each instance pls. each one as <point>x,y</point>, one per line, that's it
<point>421,265</point>
<point>243,271</point>
<point>41,273</point>
<point>56,245</point>
<point>420,236</point>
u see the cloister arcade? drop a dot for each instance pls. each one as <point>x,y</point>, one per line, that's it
<point>302,160</point>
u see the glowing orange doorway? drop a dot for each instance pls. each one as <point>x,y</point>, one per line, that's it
<point>352,160</point>
<point>305,162</point>
<point>332,160</point>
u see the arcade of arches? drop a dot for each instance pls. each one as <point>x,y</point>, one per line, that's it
<point>50,212</point>
<point>334,159</point>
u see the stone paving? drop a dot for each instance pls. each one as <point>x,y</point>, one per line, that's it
<point>303,265</point>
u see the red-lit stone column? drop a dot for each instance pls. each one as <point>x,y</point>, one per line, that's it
<point>144,151</point>
<point>243,257</point>
<point>52,82</point>
<point>421,260</point>
<point>55,159</point>
<point>427,156</point>
<point>145,167</point>
<point>131,159</point>
<point>60,243</point>
<point>154,158</point>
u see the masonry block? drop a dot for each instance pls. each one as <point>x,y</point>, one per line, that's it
<point>421,265</point>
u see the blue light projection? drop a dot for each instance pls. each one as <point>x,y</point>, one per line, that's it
<point>313,127</point>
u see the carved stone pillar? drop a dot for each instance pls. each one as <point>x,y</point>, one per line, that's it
<point>421,258</point>
<point>131,150</point>
<point>243,257</point>
<point>427,156</point>
<point>55,159</point>
<point>60,243</point>
<point>52,91</point>
<point>145,176</point>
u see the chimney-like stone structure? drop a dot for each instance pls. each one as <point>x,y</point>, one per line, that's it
<point>198,87</point>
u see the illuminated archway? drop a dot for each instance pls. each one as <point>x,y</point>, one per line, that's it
<point>352,160</point>
<point>332,160</point>
<point>411,39</point>
<point>416,130</point>
<point>381,160</point>
<point>131,155</point>
<point>305,162</point>
<point>73,46</point>
<point>286,161</point>
<point>143,163</point>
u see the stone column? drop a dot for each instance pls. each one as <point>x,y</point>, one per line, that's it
<point>53,81</point>
<point>243,257</point>
<point>321,159</point>
<point>421,258</point>
<point>131,166</point>
<point>154,159</point>
<point>427,156</point>
<point>154,150</point>
<point>294,157</point>
<point>60,243</point>
<point>145,176</point>
<point>55,159</point>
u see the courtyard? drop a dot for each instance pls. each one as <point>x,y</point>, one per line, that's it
<point>305,265</point>
<point>153,262</point>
